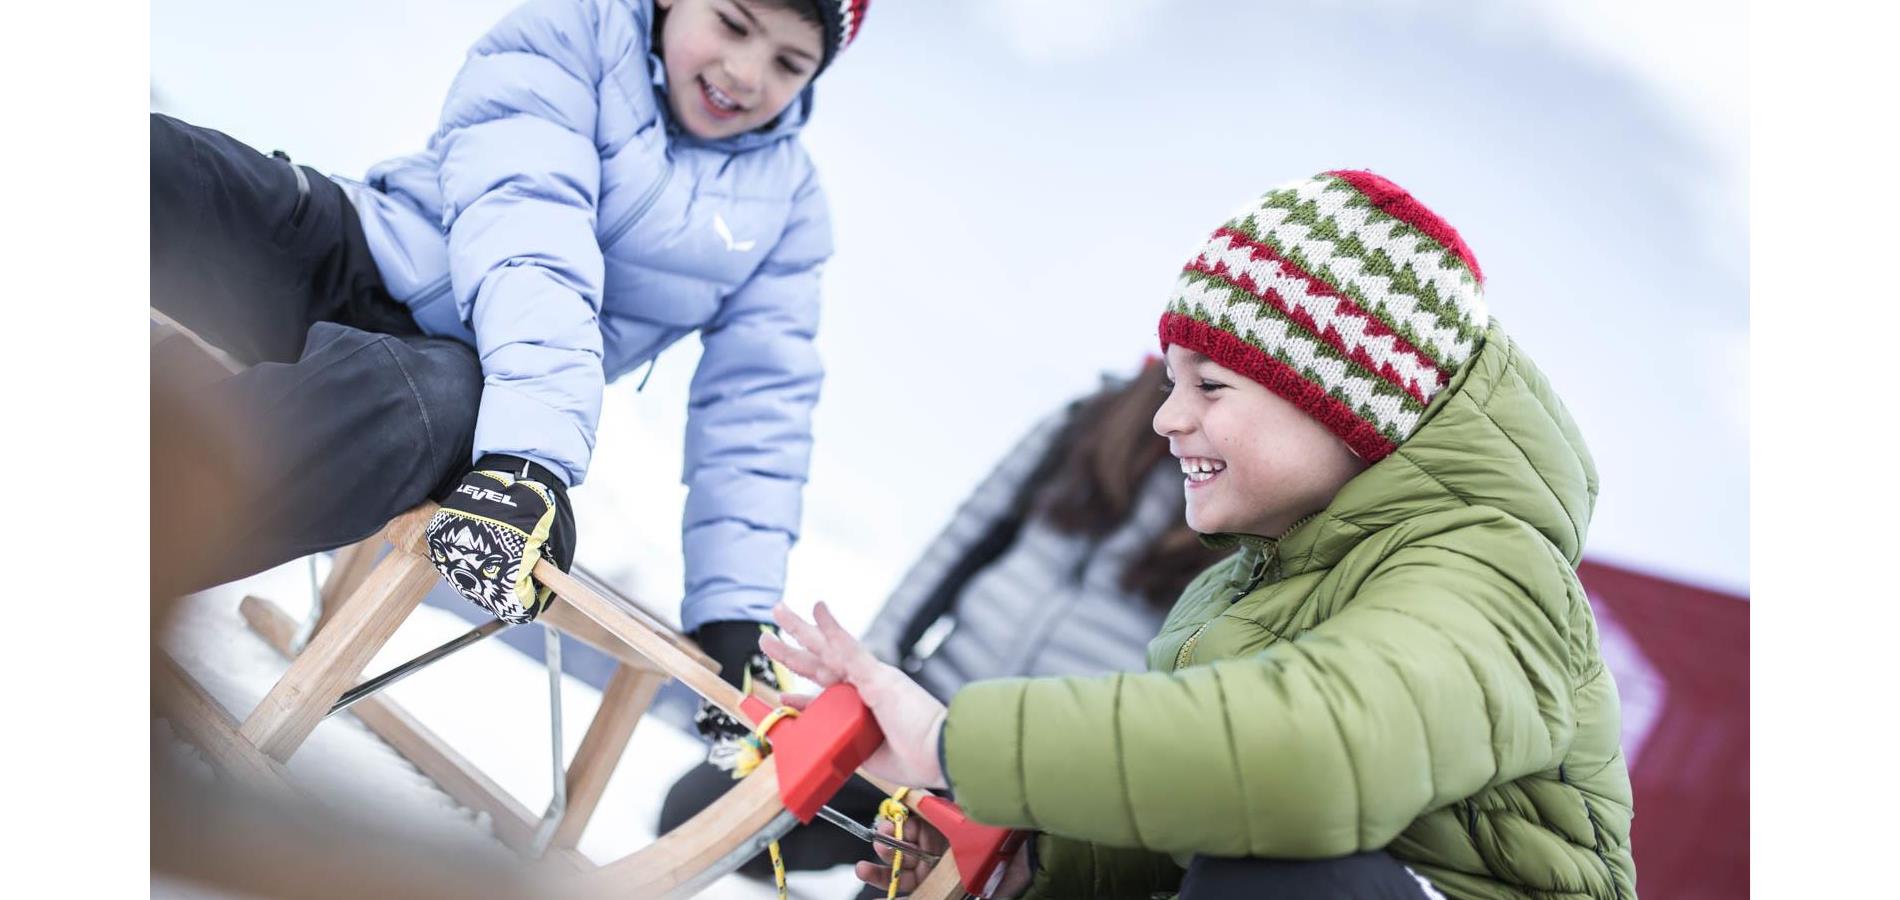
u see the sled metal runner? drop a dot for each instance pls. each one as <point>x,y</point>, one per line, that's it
<point>858,830</point>
<point>377,684</point>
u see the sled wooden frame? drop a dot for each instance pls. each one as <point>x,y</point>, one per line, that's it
<point>200,720</point>
<point>629,692</point>
<point>365,599</point>
<point>375,599</point>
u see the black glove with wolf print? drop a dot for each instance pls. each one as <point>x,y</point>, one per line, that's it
<point>497,522</point>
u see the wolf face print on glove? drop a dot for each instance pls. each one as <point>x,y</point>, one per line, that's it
<point>502,518</point>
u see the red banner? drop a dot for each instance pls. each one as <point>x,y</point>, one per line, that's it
<point>1680,657</point>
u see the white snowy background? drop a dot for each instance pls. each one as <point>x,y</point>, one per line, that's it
<point>1014,185</point>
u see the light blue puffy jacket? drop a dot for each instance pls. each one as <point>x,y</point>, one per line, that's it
<point>562,224</point>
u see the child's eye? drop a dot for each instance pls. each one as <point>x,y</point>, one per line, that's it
<point>1208,387</point>
<point>789,67</point>
<point>1167,386</point>
<point>732,26</point>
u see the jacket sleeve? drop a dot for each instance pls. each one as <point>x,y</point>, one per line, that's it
<point>1441,676</point>
<point>520,177</point>
<point>748,426</point>
<point>1073,870</point>
<point>983,508</point>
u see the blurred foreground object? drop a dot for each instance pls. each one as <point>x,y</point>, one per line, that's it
<point>197,472</point>
<point>249,830</point>
<point>226,836</point>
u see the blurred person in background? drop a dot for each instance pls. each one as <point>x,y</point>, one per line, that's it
<point>1393,690</point>
<point>1062,562</point>
<point>607,176</point>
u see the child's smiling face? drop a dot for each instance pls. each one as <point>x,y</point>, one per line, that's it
<point>1253,463</point>
<point>733,65</point>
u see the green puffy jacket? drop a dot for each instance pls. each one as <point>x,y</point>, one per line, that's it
<point>1415,668</point>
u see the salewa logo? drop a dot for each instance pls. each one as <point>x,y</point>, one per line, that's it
<point>482,493</point>
<point>725,234</point>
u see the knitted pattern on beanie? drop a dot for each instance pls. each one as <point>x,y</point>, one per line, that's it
<point>842,19</point>
<point>1344,295</point>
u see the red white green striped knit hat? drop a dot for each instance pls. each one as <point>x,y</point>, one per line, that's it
<point>1341,293</point>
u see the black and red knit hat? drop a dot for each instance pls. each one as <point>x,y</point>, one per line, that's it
<point>842,19</point>
<point>1341,293</point>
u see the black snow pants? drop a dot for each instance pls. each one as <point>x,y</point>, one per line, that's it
<point>346,413</point>
<point>1374,875</point>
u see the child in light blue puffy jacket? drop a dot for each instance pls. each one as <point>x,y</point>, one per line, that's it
<point>607,177</point>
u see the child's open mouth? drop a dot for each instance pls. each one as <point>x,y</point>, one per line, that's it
<point>719,104</point>
<point>1200,471</point>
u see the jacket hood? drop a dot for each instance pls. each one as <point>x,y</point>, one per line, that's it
<point>1497,436</point>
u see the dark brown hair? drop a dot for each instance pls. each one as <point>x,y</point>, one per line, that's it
<point>804,9</point>
<point>1107,452</point>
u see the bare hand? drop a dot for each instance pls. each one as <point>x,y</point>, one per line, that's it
<point>909,716</point>
<point>912,871</point>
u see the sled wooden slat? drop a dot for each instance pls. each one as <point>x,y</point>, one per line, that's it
<point>514,824</point>
<point>347,571</point>
<point>337,654</point>
<point>634,609</point>
<point>583,629</point>
<point>198,718</point>
<point>699,842</point>
<point>628,695</point>
<point>942,883</point>
<point>643,638</point>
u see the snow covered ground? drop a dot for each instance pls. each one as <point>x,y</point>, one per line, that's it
<point>505,734</point>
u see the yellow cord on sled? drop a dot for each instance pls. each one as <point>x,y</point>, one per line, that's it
<point>755,749</point>
<point>893,808</point>
<point>752,752</point>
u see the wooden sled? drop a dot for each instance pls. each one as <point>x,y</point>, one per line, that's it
<point>629,692</point>
<point>813,754</point>
<point>366,598</point>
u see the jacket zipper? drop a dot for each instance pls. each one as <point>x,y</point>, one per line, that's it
<point>640,208</point>
<point>428,294</point>
<point>1253,581</point>
<point>1271,556</point>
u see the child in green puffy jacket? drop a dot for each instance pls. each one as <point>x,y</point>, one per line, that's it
<point>1392,687</point>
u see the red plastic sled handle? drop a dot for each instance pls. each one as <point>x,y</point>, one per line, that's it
<point>982,851</point>
<point>820,748</point>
